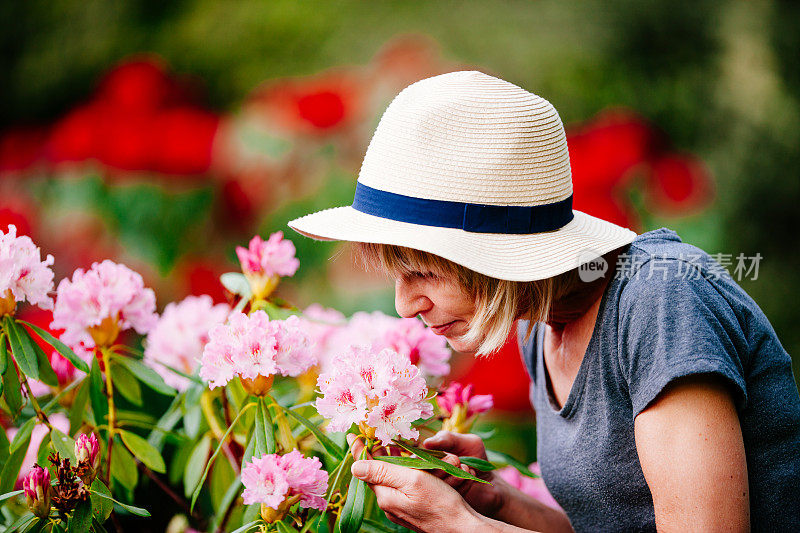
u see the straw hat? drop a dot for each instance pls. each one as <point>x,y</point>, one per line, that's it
<point>476,170</point>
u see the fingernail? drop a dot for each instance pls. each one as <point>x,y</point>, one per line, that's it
<point>359,469</point>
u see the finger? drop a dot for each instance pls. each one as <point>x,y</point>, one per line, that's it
<point>385,474</point>
<point>448,458</point>
<point>457,444</point>
<point>356,446</point>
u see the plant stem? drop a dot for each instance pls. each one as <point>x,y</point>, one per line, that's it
<point>112,414</point>
<point>35,404</point>
<point>207,406</point>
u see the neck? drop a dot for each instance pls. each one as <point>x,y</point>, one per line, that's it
<point>576,303</point>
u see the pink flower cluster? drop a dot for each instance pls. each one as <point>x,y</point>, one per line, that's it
<point>252,346</point>
<point>380,391</point>
<point>108,295</point>
<point>272,479</point>
<point>37,491</point>
<point>406,336</point>
<point>180,335</point>
<point>23,274</point>
<point>264,261</point>
<point>533,487</point>
<point>456,394</point>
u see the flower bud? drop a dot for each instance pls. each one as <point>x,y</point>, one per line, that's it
<point>87,455</point>
<point>37,491</point>
<point>259,386</point>
<point>8,304</point>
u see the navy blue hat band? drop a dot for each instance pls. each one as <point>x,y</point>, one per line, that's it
<point>477,218</point>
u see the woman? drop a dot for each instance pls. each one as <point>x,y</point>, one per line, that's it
<point>664,399</point>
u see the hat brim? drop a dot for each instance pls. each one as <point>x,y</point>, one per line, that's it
<point>514,257</point>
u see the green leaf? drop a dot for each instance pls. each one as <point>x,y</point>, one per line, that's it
<point>59,346</point>
<point>143,451</point>
<point>195,464</point>
<point>11,386</point>
<point>505,459</point>
<point>165,424</point>
<point>441,465</point>
<point>126,384</point>
<point>96,394</point>
<point>264,432</point>
<point>81,519</point>
<point>22,522</point>
<point>4,448</point>
<point>21,348</point>
<point>23,434</point>
<point>227,500</point>
<point>236,283</point>
<point>477,464</point>
<point>408,462</point>
<point>138,511</point>
<point>146,375</point>
<point>353,511</point>
<point>3,352</point>
<point>10,472</point>
<point>123,466</point>
<point>322,438</point>
<point>8,495</point>
<point>199,487</point>
<point>247,527</point>
<point>78,407</point>
<point>63,444</point>
<point>259,439</point>
<point>370,526</point>
<point>101,507</point>
<point>46,373</point>
<point>283,528</point>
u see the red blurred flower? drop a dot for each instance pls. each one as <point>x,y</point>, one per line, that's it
<point>183,139</point>
<point>15,216</point>
<point>313,106</point>
<point>680,184</point>
<point>502,375</point>
<point>608,151</point>
<point>20,148</point>
<point>202,277</point>
<point>137,84</point>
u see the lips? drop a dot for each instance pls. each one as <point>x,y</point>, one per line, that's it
<point>441,329</point>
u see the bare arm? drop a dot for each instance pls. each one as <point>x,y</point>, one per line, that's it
<point>690,447</point>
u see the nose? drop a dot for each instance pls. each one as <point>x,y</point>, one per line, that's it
<point>409,300</point>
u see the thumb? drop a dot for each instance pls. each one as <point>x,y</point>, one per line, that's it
<point>380,473</point>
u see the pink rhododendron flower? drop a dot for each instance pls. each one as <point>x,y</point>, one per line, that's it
<point>58,421</point>
<point>37,491</point>
<point>97,304</point>
<point>533,487</point>
<point>456,394</point>
<point>263,262</point>
<point>381,391</point>
<point>322,325</point>
<point>23,274</point>
<point>406,336</point>
<point>180,335</point>
<point>252,346</point>
<point>280,481</point>
<point>460,406</point>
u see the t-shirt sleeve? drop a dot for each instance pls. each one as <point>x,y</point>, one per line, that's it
<point>674,323</point>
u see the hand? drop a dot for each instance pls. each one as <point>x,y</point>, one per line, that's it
<point>486,499</point>
<point>415,499</point>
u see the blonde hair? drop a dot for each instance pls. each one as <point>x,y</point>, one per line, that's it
<point>498,303</point>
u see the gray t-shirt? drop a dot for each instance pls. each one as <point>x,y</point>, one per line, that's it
<point>670,311</point>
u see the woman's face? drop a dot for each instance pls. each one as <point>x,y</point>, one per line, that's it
<point>440,302</point>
